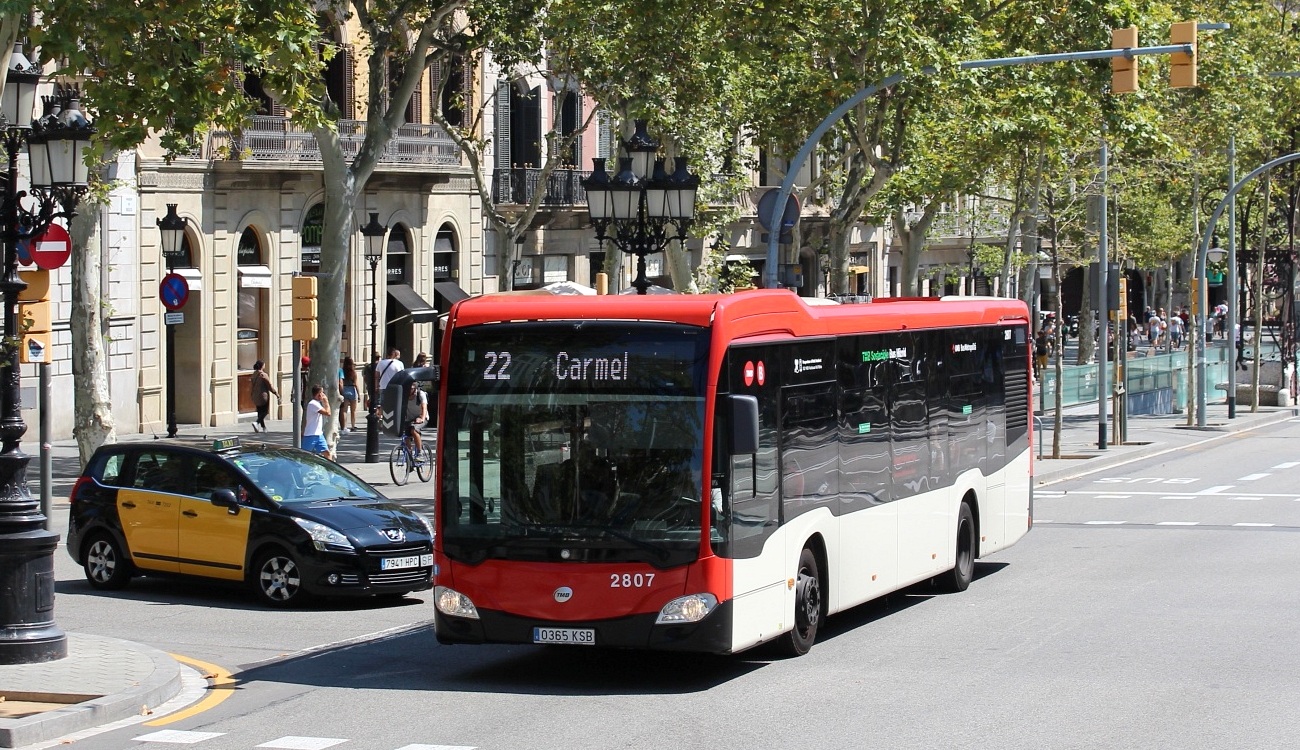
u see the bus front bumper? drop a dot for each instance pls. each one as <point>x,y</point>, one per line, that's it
<point>710,635</point>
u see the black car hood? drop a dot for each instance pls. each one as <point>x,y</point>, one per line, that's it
<point>349,515</point>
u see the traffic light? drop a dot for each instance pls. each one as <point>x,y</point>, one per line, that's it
<point>1182,66</point>
<point>34,317</point>
<point>304,308</point>
<point>1124,70</point>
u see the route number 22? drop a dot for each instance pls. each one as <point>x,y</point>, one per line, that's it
<point>497,364</point>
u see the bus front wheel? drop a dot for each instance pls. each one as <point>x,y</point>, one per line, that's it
<point>807,605</point>
<point>963,569</point>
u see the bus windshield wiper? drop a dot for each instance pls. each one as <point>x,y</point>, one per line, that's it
<point>641,544</point>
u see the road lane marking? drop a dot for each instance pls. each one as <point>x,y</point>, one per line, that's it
<point>1247,497</point>
<point>437,747</point>
<point>1177,523</point>
<point>1113,497</point>
<point>1178,497</point>
<point>176,737</point>
<point>1288,465</point>
<point>1255,525</point>
<point>1215,490</point>
<point>1104,523</point>
<point>1252,477</point>
<point>302,743</point>
<point>220,687</point>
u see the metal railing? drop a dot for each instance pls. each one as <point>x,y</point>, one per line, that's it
<point>518,185</point>
<point>276,139</point>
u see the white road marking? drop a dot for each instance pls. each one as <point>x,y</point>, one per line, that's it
<point>1104,523</point>
<point>176,737</point>
<point>437,747</point>
<point>1257,525</point>
<point>1178,523</point>
<point>1288,465</point>
<point>1215,490</point>
<point>1252,477</point>
<point>1178,497</point>
<point>1113,497</point>
<point>1247,497</point>
<point>302,743</point>
<point>1053,493</point>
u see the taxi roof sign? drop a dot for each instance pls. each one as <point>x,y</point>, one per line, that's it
<point>225,444</point>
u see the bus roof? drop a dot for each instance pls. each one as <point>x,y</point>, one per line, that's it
<point>758,312</point>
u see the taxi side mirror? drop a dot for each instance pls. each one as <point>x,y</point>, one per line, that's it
<point>226,499</point>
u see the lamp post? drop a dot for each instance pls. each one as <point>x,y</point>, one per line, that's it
<point>641,201</point>
<point>172,229</point>
<point>374,233</point>
<point>56,152</point>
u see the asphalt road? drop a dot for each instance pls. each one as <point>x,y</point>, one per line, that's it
<point>1153,606</point>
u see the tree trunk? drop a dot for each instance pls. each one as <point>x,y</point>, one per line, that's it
<point>92,404</point>
<point>1259,297</point>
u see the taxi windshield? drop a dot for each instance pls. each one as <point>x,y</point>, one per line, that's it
<point>295,477</point>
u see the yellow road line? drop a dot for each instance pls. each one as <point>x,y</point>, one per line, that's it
<point>220,687</point>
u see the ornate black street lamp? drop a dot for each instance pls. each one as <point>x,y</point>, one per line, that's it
<point>172,228</point>
<point>374,233</point>
<point>641,201</point>
<point>56,149</point>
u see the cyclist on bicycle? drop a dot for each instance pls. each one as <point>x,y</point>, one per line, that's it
<point>415,414</point>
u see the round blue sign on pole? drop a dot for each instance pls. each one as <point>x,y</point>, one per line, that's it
<point>174,291</point>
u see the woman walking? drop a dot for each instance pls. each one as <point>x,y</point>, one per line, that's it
<point>261,390</point>
<point>349,387</point>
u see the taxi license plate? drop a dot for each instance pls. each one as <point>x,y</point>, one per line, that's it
<point>414,561</point>
<point>570,636</point>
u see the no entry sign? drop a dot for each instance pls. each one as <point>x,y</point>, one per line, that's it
<point>174,291</point>
<point>51,248</point>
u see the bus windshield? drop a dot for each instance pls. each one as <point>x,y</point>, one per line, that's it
<point>574,441</point>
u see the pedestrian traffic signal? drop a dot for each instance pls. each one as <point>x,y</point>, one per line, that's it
<point>1124,70</point>
<point>304,308</point>
<point>1182,65</point>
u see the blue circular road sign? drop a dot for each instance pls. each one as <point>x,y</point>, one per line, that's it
<point>174,291</point>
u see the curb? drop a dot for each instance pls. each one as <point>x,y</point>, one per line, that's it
<point>1116,457</point>
<point>162,684</point>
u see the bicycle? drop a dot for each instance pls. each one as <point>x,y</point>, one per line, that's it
<point>403,460</point>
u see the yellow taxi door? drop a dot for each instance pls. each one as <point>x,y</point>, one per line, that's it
<point>149,510</point>
<point>213,539</point>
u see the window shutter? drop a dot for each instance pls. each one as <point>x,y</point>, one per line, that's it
<point>415,110</point>
<point>435,86</point>
<point>604,127</point>
<point>502,125</point>
<point>347,108</point>
<point>577,143</point>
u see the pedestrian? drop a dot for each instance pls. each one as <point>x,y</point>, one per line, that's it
<point>313,430</point>
<point>415,415</point>
<point>370,379</point>
<point>1176,331</point>
<point>421,360</point>
<point>387,368</point>
<point>302,379</point>
<point>1041,349</point>
<point>260,391</point>
<point>348,388</point>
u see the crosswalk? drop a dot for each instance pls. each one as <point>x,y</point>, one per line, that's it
<point>289,742</point>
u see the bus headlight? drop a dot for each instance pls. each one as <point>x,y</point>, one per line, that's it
<point>452,602</point>
<point>692,608</point>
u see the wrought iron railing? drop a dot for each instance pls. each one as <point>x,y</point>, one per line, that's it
<point>276,139</point>
<point>518,185</point>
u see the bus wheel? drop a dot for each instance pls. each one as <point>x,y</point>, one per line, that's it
<point>959,578</point>
<point>807,606</point>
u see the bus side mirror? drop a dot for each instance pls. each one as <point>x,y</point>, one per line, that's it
<point>744,425</point>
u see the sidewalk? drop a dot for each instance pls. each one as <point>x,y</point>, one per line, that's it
<point>116,679</point>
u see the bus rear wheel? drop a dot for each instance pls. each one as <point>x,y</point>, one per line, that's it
<point>963,570</point>
<point>807,606</point>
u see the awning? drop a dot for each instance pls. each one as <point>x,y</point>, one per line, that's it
<point>417,309</point>
<point>859,269</point>
<point>255,277</point>
<point>450,292</point>
<point>193,278</point>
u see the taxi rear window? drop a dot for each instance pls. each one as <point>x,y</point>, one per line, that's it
<point>108,469</point>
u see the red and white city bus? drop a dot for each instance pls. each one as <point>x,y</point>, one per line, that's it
<point>711,472</point>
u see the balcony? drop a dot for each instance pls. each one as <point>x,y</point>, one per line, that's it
<point>518,185</point>
<point>276,140</point>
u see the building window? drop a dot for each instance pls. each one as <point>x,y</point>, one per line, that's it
<point>444,255</point>
<point>250,331</point>
<point>398,257</point>
<point>555,268</point>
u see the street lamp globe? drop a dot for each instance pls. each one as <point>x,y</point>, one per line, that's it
<point>19,98</point>
<point>66,141</point>
<point>172,229</point>
<point>1216,254</point>
<point>374,233</point>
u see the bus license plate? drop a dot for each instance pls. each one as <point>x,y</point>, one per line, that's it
<point>414,561</point>
<point>570,636</point>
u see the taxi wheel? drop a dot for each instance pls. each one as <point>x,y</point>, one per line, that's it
<point>106,563</point>
<point>278,579</point>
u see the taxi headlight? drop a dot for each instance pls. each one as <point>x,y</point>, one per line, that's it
<point>452,602</point>
<point>692,608</point>
<point>323,537</point>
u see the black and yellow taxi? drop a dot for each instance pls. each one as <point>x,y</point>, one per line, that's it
<point>289,523</point>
